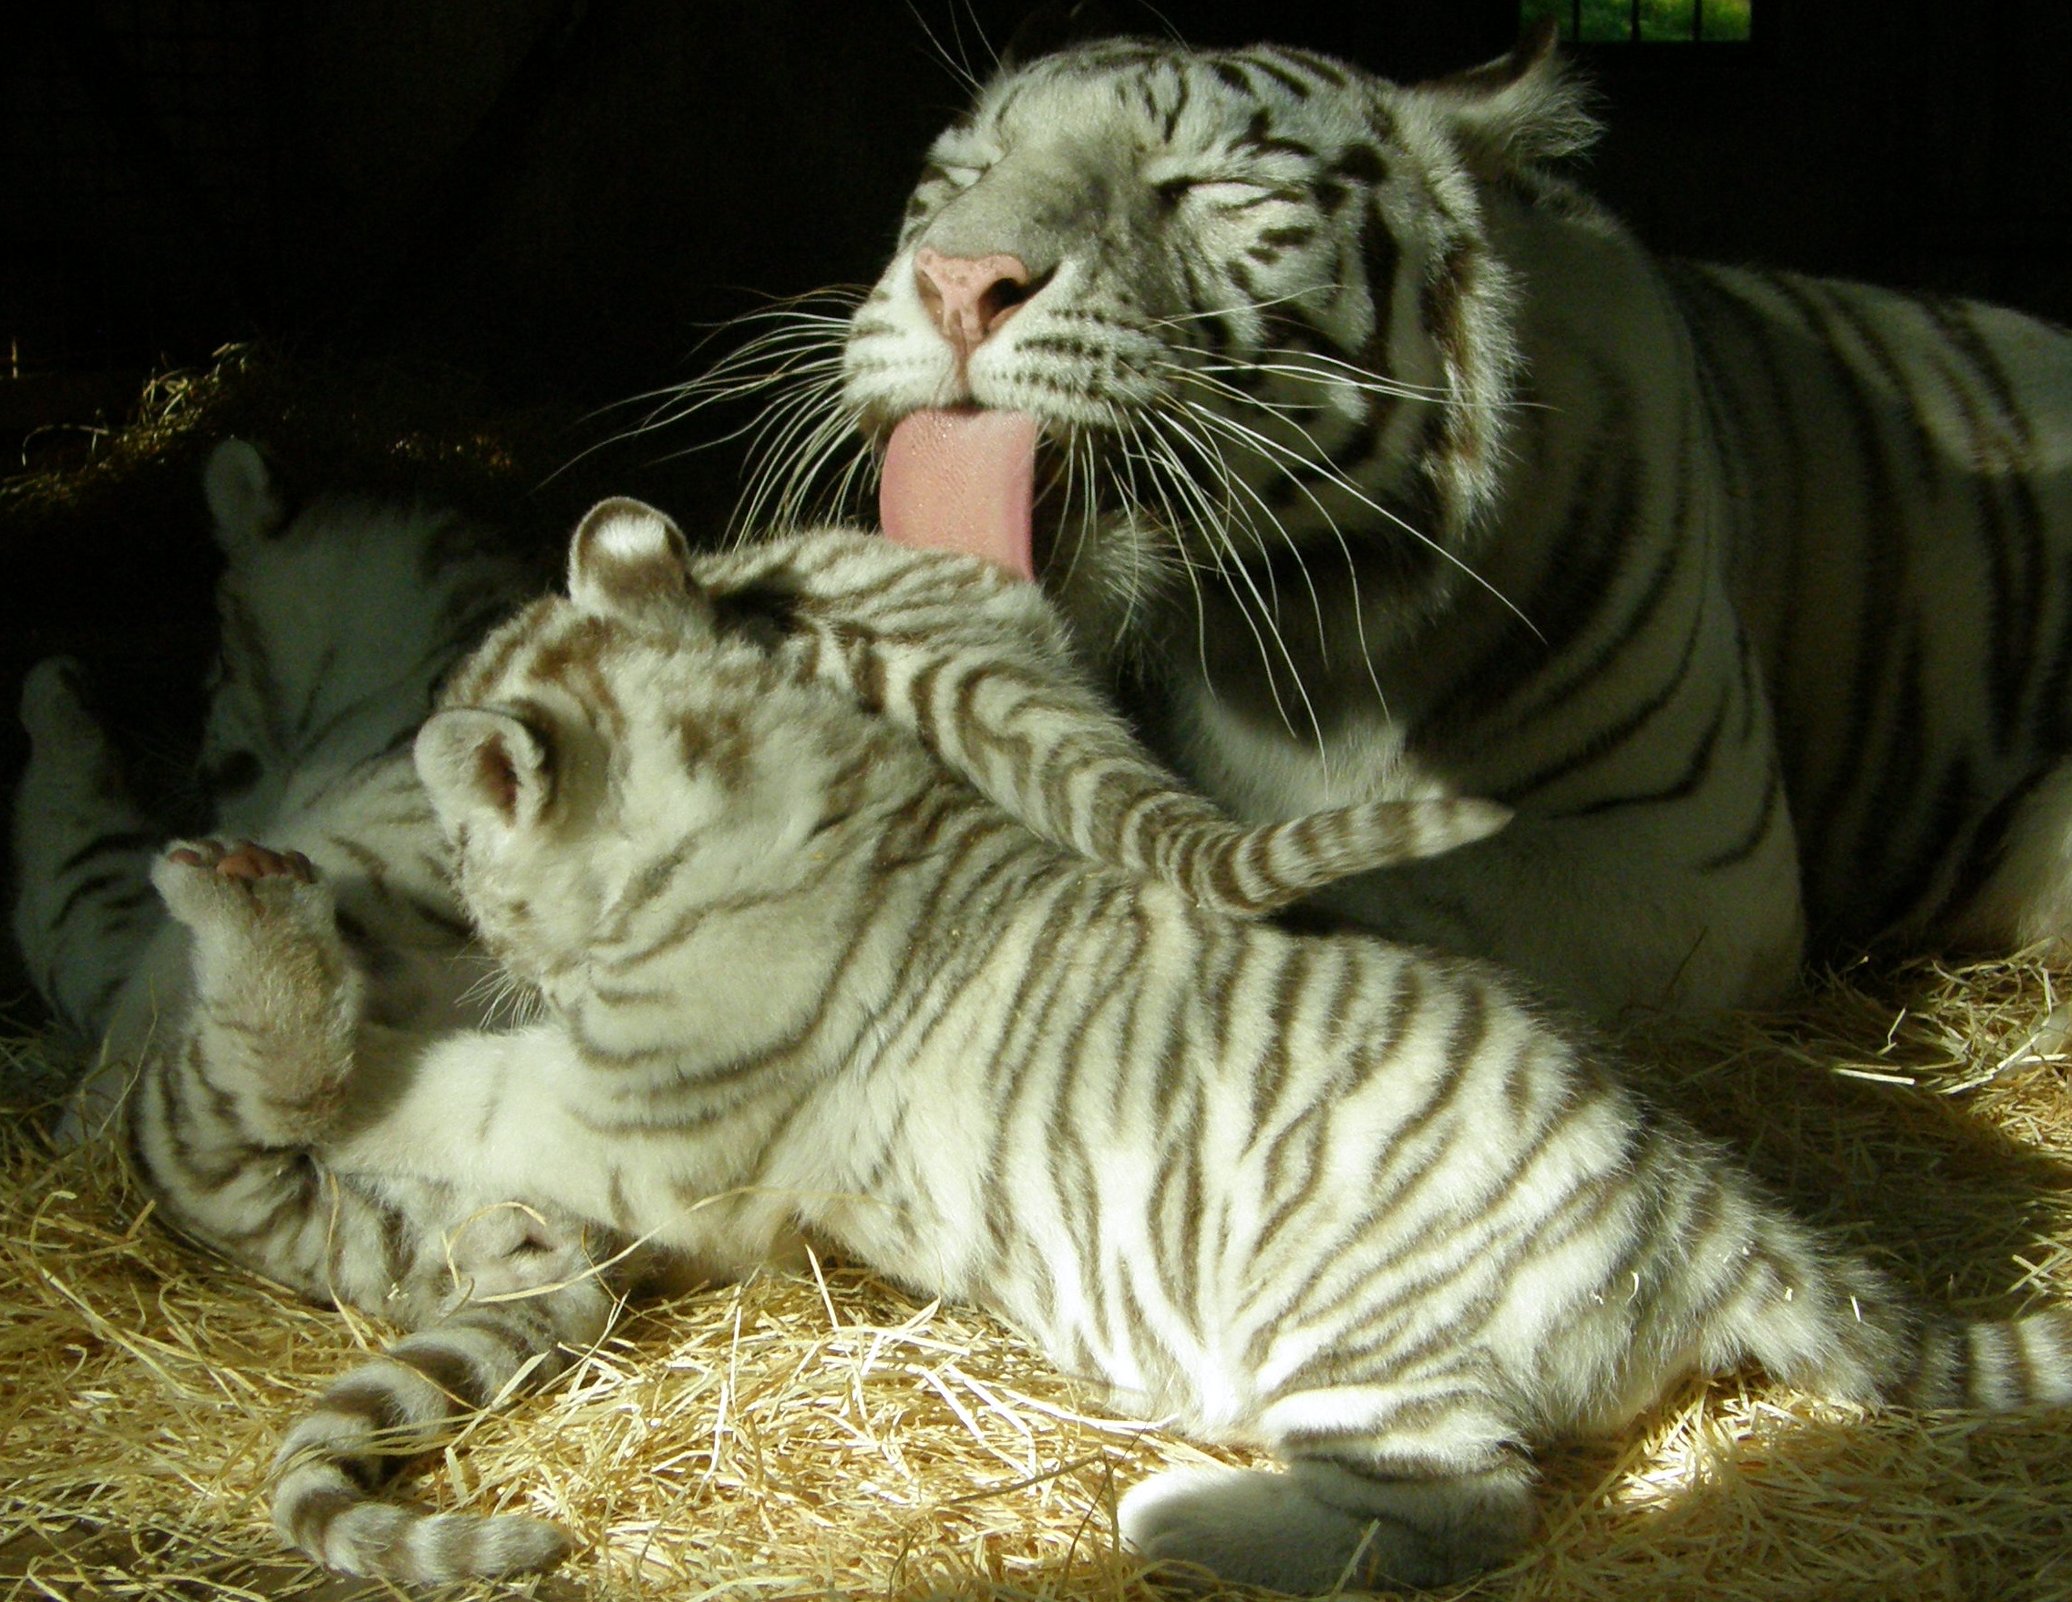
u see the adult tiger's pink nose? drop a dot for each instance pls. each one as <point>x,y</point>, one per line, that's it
<point>970,296</point>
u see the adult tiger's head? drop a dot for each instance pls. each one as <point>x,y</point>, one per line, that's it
<point>1160,316</point>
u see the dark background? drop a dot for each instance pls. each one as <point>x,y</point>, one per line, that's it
<point>557,194</point>
<point>553,200</point>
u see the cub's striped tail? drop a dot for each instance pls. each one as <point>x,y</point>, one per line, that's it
<point>1050,752</point>
<point>329,1470</point>
<point>1993,1365</point>
<point>1835,1325</point>
<point>1250,871</point>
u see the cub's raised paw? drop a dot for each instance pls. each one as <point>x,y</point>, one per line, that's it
<point>245,860</point>
<point>208,885</point>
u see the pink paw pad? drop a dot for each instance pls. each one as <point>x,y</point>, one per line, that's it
<point>247,860</point>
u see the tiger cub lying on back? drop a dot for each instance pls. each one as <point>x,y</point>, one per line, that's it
<point>338,619</point>
<point>1359,1204</point>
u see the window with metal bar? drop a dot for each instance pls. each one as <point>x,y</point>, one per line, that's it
<point>1645,21</point>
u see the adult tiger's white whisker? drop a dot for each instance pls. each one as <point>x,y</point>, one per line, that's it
<point>1359,614</point>
<point>1235,394</point>
<point>743,378</point>
<point>1242,517</point>
<point>847,488</point>
<point>1069,472</point>
<point>787,412</point>
<point>813,364</point>
<point>960,68</point>
<point>790,437</point>
<point>1236,573</point>
<point>1233,481</point>
<point>1135,510</point>
<point>1133,451</point>
<point>1237,309</point>
<point>1287,457</point>
<point>1237,492</point>
<point>805,391</point>
<point>1352,573</point>
<point>792,463</point>
<point>1321,367</point>
<point>792,329</point>
<point>796,334</point>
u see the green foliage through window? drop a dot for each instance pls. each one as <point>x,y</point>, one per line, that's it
<point>1642,21</point>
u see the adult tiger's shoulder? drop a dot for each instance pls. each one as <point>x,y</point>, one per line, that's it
<point>1373,458</point>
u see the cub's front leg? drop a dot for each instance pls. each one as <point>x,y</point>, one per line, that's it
<point>233,1091</point>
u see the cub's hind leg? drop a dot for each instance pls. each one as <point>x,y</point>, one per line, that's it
<point>277,999</point>
<point>229,1120</point>
<point>82,850</point>
<point>224,1111</point>
<point>1438,1493</point>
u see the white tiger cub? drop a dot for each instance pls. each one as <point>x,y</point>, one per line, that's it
<point>227,1113</point>
<point>1372,455</point>
<point>1353,1202</point>
<point>336,625</point>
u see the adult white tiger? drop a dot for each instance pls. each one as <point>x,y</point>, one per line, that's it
<point>1375,459</point>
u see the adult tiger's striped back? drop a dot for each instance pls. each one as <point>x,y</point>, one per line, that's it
<point>1371,455</point>
<point>1898,475</point>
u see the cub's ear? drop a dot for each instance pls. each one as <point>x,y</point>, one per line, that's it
<point>477,763</point>
<point>628,558</point>
<point>1519,111</point>
<point>242,496</point>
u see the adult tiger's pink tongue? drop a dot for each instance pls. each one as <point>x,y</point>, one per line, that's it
<point>962,481</point>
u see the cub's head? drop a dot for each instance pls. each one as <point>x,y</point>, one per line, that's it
<point>613,762</point>
<point>1156,312</point>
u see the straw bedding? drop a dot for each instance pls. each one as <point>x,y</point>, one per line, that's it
<point>831,1436</point>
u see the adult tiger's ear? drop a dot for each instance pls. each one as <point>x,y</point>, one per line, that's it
<point>243,498</point>
<point>479,764</point>
<point>629,560</point>
<point>1522,110</point>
